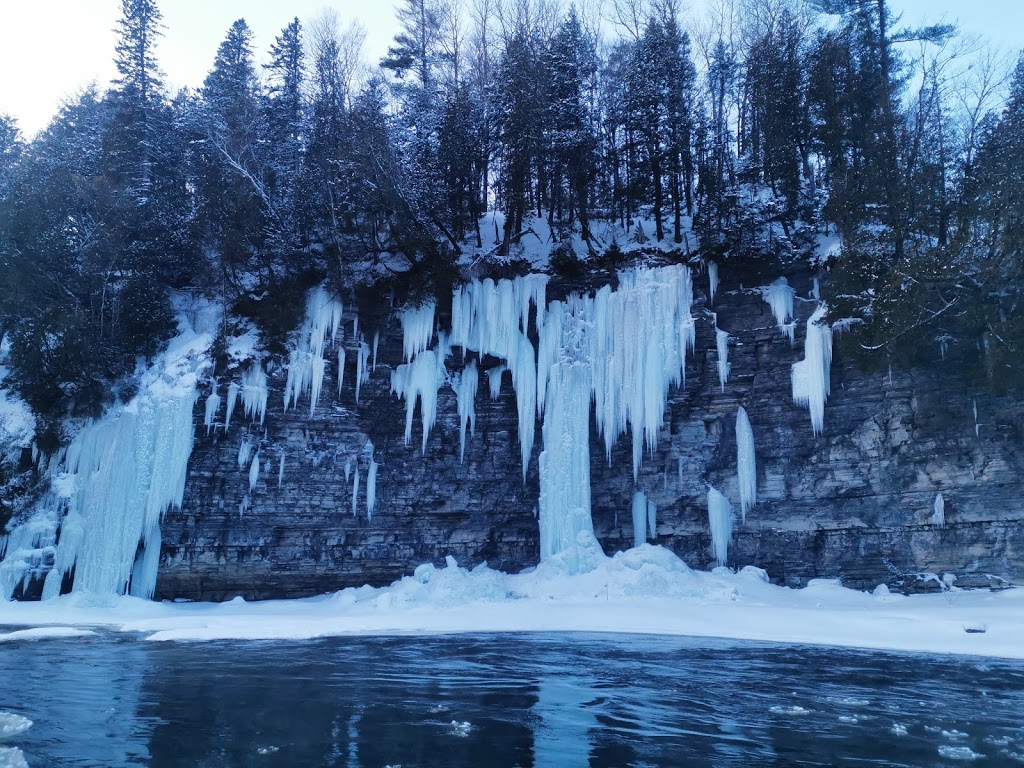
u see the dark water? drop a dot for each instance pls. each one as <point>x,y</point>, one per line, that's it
<point>499,700</point>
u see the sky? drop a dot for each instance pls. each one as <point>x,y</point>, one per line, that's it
<point>51,49</point>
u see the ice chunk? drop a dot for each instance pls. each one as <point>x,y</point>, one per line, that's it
<point>12,724</point>
<point>720,517</point>
<point>965,754</point>
<point>746,462</point>
<point>12,757</point>
<point>811,377</point>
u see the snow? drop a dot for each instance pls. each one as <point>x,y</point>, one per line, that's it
<point>647,590</point>
<point>39,633</point>
<point>17,422</point>
<point>746,462</point>
<point>811,376</point>
<point>720,519</point>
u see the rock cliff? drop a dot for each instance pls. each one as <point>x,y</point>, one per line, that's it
<point>854,502</point>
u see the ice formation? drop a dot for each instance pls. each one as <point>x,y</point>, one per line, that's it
<point>417,329</point>
<point>362,371</point>
<point>720,517</point>
<point>652,518</point>
<point>254,471</point>
<point>494,376</point>
<point>376,342</point>
<point>355,490</point>
<point>306,363</point>
<point>254,392</point>
<point>779,296</point>
<point>811,376</point>
<point>619,349</point>
<point>341,368</point>
<point>212,406</point>
<point>371,482</point>
<point>244,452</point>
<point>465,387</point>
<point>746,462</point>
<point>232,402</point>
<point>722,345</point>
<point>712,281</point>
<point>639,518</point>
<point>939,511</point>
<point>280,471</point>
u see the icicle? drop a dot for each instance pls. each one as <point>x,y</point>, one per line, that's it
<point>376,340</point>
<point>212,406</point>
<point>465,387</point>
<point>355,491</point>
<point>494,376</point>
<point>679,471</point>
<point>306,364</point>
<point>371,483</point>
<point>712,281</point>
<point>417,329</point>
<point>811,376</point>
<point>419,381</point>
<point>639,519</point>
<point>243,506</point>
<point>254,392</point>
<point>815,289</point>
<point>232,400</point>
<point>720,517</point>
<point>939,511</point>
<point>341,369</point>
<point>977,427</point>
<point>355,327</point>
<point>722,342</point>
<point>280,471</point>
<point>746,462</point>
<point>779,296</point>
<point>652,518</point>
<point>362,374</point>
<point>348,470</point>
<point>244,452</point>
<point>254,471</point>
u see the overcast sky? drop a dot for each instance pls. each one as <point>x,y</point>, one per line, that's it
<point>50,49</point>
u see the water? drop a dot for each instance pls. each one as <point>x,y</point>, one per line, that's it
<point>500,700</point>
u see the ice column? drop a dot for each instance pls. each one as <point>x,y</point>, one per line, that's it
<point>746,462</point>
<point>639,518</point>
<point>720,516</point>
<point>811,376</point>
<point>722,343</point>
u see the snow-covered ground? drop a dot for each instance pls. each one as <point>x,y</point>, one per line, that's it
<point>644,590</point>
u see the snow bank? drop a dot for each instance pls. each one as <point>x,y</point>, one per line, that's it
<point>643,590</point>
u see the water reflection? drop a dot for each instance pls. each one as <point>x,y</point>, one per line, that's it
<point>534,700</point>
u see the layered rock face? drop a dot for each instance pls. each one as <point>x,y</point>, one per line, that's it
<point>854,502</point>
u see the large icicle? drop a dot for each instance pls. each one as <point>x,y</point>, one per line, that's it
<point>939,511</point>
<point>722,345</point>
<point>465,386</point>
<point>362,372</point>
<point>779,296</point>
<point>254,471</point>
<point>371,483</point>
<point>212,406</point>
<point>306,364</point>
<point>746,462</point>
<point>254,392</point>
<point>712,281</point>
<point>811,376</point>
<point>417,329</point>
<point>720,516</point>
<point>355,491</point>
<point>639,510</point>
<point>232,401</point>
